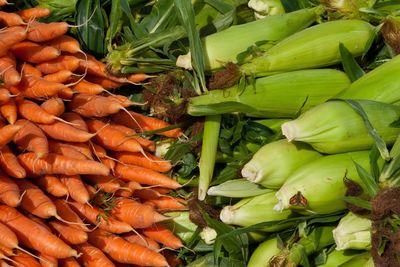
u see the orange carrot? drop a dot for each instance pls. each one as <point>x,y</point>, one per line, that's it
<point>9,111</point>
<point>65,132</point>
<point>52,185</point>
<point>94,105</point>
<point>33,235</point>
<point>83,148</point>
<point>31,138</point>
<point>8,132</point>
<point>66,93</point>
<point>76,188</point>
<point>146,194</point>
<point>33,13</point>
<point>8,70</point>
<point>167,203</point>
<point>112,139</point>
<point>122,251</point>
<point>10,19</point>
<point>123,100</point>
<point>92,256</point>
<point>123,193</point>
<point>61,76</point>
<point>103,82</point>
<point>9,163</point>
<point>145,143</point>
<point>54,106</point>
<point>97,217</point>
<point>85,87</point>
<point>138,159</point>
<point>6,251</point>
<point>141,240</point>
<point>65,43</point>
<point>23,259</point>
<point>106,183</point>
<point>29,70</point>
<point>69,234</point>
<point>135,213</point>
<point>138,77</point>
<point>5,95</point>
<point>10,37</point>
<point>47,261</point>
<point>61,63</point>
<point>76,119</point>
<point>145,123</point>
<point>144,176</point>
<point>35,113</point>
<point>42,32</point>
<point>134,185</point>
<point>58,164</point>
<point>98,151</point>
<point>33,52</point>
<point>37,87</point>
<point>68,262</point>
<point>163,235</point>
<point>9,192</point>
<point>65,150</point>
<point>67,214</point>
<point>109,163</point>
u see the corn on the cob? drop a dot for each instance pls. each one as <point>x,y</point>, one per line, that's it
<point>337,257</point>
<point>237,188</point>
<point>263,253</point>
<point>363,260</point>
<point>277,96</point>
<point>274,162</point>
<point>334,127</point>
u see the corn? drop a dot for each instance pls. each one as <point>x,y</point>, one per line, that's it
<point>277,96</point>
<point>338,257</point>
<point>314,47</point>
<point>263,253</point>
<point>274,162</point>
<point>237,188</point>
<point>250,211</point>
<point>334,127</point>
<point>362,260</point>
<point>181,224</point>
<point>273,124</point>
<point>353,232</point>
<point>381,84</point>
<point>318,187</point>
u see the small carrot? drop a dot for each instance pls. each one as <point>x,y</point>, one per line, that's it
<point>97,217</point>
<point>135,213</point>
<point>32,138</point>
<point>138,77</point>
<point>5,95</point>
<point>33,13</point>
<point>144,176</point>
<point>9,192</point>
<point>167,203</point>
<point>61,76</point>
<point>9,163</point>
<point>145,123</point>
<point>123,100</point>
<point>103,82</point>
<point>37,87</point>
<point>48,261</point>
<point>123,193</point>
<point>4,2</point>
<point>76,188</point>
<point>135,158</point>
<point>75,119</point>
<point>42,32</point>
<point>33,235</point>
<point>33,52</point>
<point>69,234</point>
<point>9,111</point>
<point>35,113</point>
<point>92,256</point>
<point>145,143</point>
<point>61,63</point>
<point>58,164</point>
<point>67,214</point>
<point>6,251</point>
<point>94,105</point>
<point>134,185</point>
<point>141,240</point>
<point>146,194</point>
<point>8,132</point>
<point>10,19</point>
<point>98,151</point>
<point>52,185</point>
<point>108,184</point>
<point>66,93</point>
<point>9,73</point>
<point>68,262</point>
<point>122,251</point>
<point>10,37</point>
<point>83,148</point>
<point>22,259</point>
<point>65,132</point>
<point>54,106</point>
<point>65,43</point>
<point>163,235</point>
<point>109,163</point>
<point>29,70</point>
<point>85,87</point>
<point>65,149</point>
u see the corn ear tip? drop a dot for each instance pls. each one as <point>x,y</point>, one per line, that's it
<point>289,130</point>
<point>226,214</point>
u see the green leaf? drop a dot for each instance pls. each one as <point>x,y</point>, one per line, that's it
<point>351,67</point>
<point>373,161</point>
<point>115,17</point>
<point>221,6</point>
<point>358,202</point>
<point>368,180</point>
<point>127,11</point>
<point>177,151</point>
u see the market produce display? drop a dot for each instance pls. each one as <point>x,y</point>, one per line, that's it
<point>261,133</point>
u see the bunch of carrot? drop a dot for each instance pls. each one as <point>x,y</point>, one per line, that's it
<point>77,186</point>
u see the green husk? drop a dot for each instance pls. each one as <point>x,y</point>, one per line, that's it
<point>362,260</point>
<point>314,47</point>
<point>277,96</point>
<point>353,232</point>
<point>338,257</point>
<point>276,161</point>
<point>334,127</point>
<point>273,124</point>
<point>237,188</point>
<point>318,187</point>
<point>263,253</point>
<point>180,223</point>
<point>59,9</point>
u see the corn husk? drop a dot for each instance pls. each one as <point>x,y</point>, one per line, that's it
<point>353,232</point>
<point>263,253</point>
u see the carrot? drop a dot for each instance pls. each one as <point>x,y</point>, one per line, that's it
<point>9,73</point>
<point>69,234</point>
<point>123,193</point>
<point>65,43</point>
<point>94,105</point>
<point>33,52</point>
<point>54,106</point>
<point>146,194</point>
<point>66,93</point>
<point>61,76</point>
<point>61,63</point>
<point>76,188</point>
<point>35,113</point>
<point>65,150</point>
<point>22,259</point>
<point>6,251</point>
<point>8,132</point>
<point>112,139</point>
<point>65,132</point>
<point>52,185</point>
<point>135,213</point>
<point>42,32</point>
<point>135,158</point>
<point>138,77</point>
<point>144,176</point>
<point>145,143</point>
<point>97,217</point>
<point>141,240</point>
<point>29,70</point>
<point>75,119</point>
<point>67,214</point>
<point>37,87</point>
<point>47,261</point>
<point>58,164</point>
<point>83,148</point>
<point>9,192</point>
<point>9,163</point>
<point>108,184</point>
<point>134,185</point>
<point>33,235</point>
<point>99,151</point>
<point>9,111</point>
<point>32,138</point>
<point>163,235</point>
<point>109,163</point>
<point>123,100</point>
<point>10,37</point>
<point>92,191</point>
<point>85,87</point>
<point>144,123</point>
<point>33,13</point>
<point>4,2</point>
<point>8,240</point>
<point>10,19</point>
<point>167,203</point>
<point>122,251</point>
<point>92,256</point>
<point>5,95</point>
<point>68,262</point>
<point>103,82</point>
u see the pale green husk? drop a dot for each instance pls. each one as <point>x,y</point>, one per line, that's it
<point>353,232</point>
<point>237,188</point>
<point>263,253</point>
<point>338,257</point>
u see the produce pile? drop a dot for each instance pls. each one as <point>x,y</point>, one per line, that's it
<point>200,133</point>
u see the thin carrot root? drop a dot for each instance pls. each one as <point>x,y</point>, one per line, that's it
<point>68,222</point>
